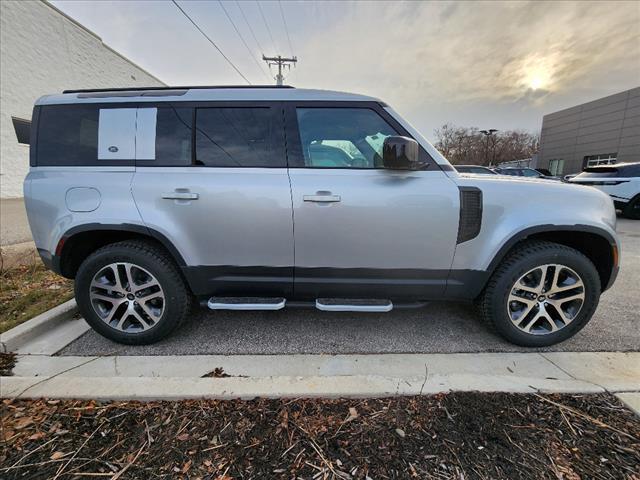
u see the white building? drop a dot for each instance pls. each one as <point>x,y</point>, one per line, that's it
<point>44,51</point>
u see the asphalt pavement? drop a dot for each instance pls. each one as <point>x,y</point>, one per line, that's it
<point>436,328</point>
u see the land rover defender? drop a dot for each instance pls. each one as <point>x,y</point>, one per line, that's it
<point>155,200</point>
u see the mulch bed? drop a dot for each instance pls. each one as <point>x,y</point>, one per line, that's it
<point>448,436</point>
<point>7,362</point>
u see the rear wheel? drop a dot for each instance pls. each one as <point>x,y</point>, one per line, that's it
<point>541,294</point>
<point>632,209</point>
<point>132,292</point>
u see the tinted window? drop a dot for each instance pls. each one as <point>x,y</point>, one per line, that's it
<point>620,170</point>
<point>68,135</point>
<point>239,137</point>
<point>23,130</point>
<point>476,170</point>
<point>629,170</point>
<point>173,137</point>
<point>342,137</point>
<point>528,172</point>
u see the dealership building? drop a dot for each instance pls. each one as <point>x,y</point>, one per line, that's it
<point>600,132</point>
<point>44,51</point>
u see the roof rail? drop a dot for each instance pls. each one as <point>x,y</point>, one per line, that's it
<point>196,87</point>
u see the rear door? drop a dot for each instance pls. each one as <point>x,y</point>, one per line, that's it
<point>362,231</point>
<point>215,184</point>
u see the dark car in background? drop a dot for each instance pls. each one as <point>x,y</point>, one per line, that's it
<point>523,172</point>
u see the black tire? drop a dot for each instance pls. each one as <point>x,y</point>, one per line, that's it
<point>632,209</point>
<point>525,257</point>
<point>177,297</point>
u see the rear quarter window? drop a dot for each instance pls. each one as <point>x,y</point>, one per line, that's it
<point>98,135</point>
<point>67,135</point>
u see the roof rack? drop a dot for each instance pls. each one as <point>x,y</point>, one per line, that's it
<point>197,87</point>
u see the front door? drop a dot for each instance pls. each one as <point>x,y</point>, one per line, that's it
<point>226,206</point>
<point>362,231</point>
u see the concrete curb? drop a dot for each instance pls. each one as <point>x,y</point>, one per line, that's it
<point>631,400</point>
<point>12,340</point>
<point>370,386</point>
<point>175,378</point>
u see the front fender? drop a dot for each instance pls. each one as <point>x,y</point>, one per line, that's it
<point>515,209</point>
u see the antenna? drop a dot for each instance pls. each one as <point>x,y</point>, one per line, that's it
<point>280,62</point>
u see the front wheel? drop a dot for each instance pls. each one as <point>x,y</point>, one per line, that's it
<point>541,294</point>
<point>132,292</point>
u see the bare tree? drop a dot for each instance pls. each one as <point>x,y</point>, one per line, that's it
<point>466,145</point>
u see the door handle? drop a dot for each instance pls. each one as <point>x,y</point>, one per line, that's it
<point>322,198</point>
<point>180,196</point>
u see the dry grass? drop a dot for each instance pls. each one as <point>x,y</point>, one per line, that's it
<point>28,290</point>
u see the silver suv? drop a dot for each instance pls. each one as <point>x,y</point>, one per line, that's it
<point>154,200</point>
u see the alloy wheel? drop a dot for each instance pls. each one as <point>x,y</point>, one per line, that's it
<point>546,299</point>
<point>127,297</point>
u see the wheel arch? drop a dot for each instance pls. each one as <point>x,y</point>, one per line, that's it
<point>597,244</point>
<point>77,243</point>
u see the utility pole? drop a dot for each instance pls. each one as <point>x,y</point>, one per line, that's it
<point>488,133</point>
<point>280,62</point>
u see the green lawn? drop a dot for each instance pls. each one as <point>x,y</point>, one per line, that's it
<point>27,291</point>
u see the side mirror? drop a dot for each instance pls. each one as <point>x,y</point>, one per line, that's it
<point>400,153</point>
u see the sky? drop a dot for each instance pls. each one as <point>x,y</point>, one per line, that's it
<point>476,64</point>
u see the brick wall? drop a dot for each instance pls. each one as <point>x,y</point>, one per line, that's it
<point>44,52</point>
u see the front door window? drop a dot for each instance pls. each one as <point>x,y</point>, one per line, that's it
<point>342,137</point>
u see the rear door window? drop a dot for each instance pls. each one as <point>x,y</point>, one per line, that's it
<point>163,137</point>
<point>239,137</point>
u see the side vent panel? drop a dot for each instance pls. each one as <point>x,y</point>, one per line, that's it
<point>470,213</point>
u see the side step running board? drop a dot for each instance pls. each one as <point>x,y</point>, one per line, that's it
<point>353,305</point>
<point>245,303</point>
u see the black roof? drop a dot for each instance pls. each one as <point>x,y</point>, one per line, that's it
<point>194,87</point>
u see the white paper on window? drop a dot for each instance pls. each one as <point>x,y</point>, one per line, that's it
<point>117,134</point>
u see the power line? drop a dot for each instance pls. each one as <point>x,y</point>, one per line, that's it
<point>211,42</point>
<point>250,29</point>
<point>273,43</point>
<point>242,39</point>
<point>286,29</point>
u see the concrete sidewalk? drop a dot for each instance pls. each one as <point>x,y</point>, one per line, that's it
<point>250,376</point>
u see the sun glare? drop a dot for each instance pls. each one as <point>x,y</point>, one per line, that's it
<point>538,78</point>
<point>536,82</point>
<point>538,74</point>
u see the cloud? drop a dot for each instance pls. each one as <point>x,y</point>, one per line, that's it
<point>474,51</point>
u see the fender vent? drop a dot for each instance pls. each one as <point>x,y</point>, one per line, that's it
<point>470,213</point>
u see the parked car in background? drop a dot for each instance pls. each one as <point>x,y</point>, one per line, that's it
<point>262,198</point>
<point>522,172</point>
<point>621,182</point>
<point>477,169</point>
